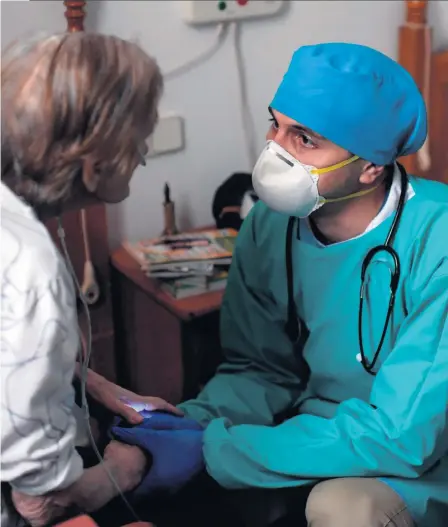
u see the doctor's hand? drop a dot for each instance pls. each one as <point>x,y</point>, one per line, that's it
<point>117,399</point>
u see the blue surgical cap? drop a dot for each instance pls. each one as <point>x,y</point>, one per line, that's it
<point>355,97</point>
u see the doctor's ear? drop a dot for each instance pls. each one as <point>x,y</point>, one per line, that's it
<point>371,173</point>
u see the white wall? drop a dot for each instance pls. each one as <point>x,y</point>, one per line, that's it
<point>208,97</point>
<point>20,17</point>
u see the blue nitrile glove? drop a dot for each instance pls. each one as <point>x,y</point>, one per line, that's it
<point>156,420</point>
<point>176,453</point>
<point>164,421</point>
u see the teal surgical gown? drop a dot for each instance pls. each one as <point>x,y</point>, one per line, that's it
<point>391,426</point>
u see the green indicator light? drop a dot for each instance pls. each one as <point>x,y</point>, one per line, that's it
<point>222,6</point>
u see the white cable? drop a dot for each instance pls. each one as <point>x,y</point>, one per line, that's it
<point>202,57</point>
<point>248,124</point>
<point>84,361</point>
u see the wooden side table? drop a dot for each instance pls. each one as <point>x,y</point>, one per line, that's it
<point>164,347</point>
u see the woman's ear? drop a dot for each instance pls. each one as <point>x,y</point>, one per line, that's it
<point>91,174</point>
<point>371,173</point>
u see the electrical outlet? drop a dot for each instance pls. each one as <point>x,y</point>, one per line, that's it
<point>197,12</point>
<point>168,136</point>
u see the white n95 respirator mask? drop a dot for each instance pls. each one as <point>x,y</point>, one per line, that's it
<point>286,185</point>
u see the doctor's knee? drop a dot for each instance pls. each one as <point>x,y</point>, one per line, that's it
<point>356,502</point>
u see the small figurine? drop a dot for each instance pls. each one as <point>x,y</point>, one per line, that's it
<point>169,214</point>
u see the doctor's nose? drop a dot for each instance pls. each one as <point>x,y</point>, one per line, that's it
<point>278,135</point>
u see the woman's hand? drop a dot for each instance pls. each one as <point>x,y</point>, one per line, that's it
<point>129,464</point>
<point>117,399</point>
<point>39,511</point>
<point>92,491</point>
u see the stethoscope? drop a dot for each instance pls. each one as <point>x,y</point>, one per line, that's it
<point>292,326</point>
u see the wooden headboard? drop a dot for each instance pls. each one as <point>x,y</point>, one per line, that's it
<point>86,231</point>
<point>430,71</point>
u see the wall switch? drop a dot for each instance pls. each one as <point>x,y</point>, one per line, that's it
<point>168,136</point>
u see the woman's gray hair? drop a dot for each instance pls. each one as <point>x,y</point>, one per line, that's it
<point>70,95</point>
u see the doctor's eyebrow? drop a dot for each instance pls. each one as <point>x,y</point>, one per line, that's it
<point>300,128</point>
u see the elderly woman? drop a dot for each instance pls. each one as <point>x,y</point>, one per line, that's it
<point>76,112</point>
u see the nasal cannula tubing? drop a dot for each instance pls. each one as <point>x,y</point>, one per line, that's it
<point>84,359</point>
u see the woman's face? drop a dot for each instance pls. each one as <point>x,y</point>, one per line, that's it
<point>114,188</point>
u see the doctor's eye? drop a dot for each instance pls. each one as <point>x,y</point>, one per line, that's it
<point>305,141</point>
<point>274,123</point>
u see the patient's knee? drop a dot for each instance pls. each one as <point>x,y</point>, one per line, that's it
<point>356,502</point>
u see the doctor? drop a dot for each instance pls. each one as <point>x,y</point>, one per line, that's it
<point>363,433</point>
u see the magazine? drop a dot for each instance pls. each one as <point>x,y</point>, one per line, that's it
<point>199,250</point>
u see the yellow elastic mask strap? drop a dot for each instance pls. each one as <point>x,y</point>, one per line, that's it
<point>334,167</point>
<point>355,195</point>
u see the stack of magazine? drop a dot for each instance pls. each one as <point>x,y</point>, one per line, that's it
<point>187,264</point>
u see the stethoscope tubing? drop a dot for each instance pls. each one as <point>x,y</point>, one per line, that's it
<point>292,326</point>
